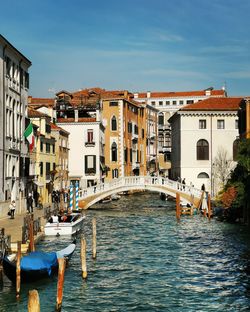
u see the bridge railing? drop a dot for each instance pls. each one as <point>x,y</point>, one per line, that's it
<point>141,182</point>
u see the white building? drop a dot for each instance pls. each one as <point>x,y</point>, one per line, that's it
<point>14,85</point>
<point>168,103</point>
<point>204,137</point>
<point>86,139</point>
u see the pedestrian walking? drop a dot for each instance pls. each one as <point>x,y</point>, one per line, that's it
<point>12,209</point>
<point>30,203</point>
<point>203,187</point>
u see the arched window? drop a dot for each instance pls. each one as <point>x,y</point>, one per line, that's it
<point>113,123</point>
<point>235,149</point>
<point>202,149</point>
<point>161,119</point>
<point>203,175</point>
<point>114,152</point>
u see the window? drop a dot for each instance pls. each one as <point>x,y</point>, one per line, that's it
<point>160,103</point>
<point>142,133</point>
<point>190,101</point>
<point>41,168</point>
<point>135,129</point>
<point>53,148</point>
<point>202,150</point>
<point>181,102</point>
<point>235,149</point>
<point>90,164</point>
<point>125,154</point>
<point>90,136</point>
<point>236,124</point>
<point>220,124</point>
<point>153,103</point>
<point>47,171</point>
<point>167,102</point>
<point>202,124</point>
<point>41,146</point>
<point>115,173</point>
<point>48,128</point>
<point>161,119</point>
<point>47,148</point>
<point>113,124</point>
<point>27,83</point>
<point>8,66</point>
<point>203,175</point>
<point>113,103</point>
<point>174,102</point>
<point>114,152</point>
<point>129,127</point>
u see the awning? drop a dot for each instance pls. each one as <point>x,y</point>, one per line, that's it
<point>40,184</point>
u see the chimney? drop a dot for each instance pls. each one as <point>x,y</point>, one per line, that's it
<point>136,95</point>
<point>148,94</point>
<point>208,91</point>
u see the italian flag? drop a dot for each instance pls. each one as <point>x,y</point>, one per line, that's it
<point>29,135</point>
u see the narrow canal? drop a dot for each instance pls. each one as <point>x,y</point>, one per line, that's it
<point>148,262</point>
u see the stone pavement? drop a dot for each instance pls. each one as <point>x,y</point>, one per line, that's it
<point>13,227</point>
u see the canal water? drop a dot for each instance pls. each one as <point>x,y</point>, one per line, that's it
<point>146,261</point>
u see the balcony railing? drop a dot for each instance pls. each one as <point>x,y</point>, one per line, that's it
<point>89,144</point>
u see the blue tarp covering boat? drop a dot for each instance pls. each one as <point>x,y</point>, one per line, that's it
<point>36,265</point>
<point>39,260</point>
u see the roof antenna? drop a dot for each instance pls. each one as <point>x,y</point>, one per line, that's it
<point>224,88</point>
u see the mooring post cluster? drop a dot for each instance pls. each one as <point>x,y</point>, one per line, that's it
<point>34,304</point>
<point>204,205</point>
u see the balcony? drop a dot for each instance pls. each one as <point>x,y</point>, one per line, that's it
<point>90,171</point>
<point>89,144</point>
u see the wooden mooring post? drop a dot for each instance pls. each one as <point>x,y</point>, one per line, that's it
<point>31,234</point>
<point>209,206</point>
<point>33,302</point>
<point>83,257</point>
<point>178,207</point>
<point>94,238</point>
<point>60,283</point>
<point>18,269</point>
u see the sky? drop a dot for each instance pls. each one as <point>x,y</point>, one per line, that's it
<point>135,45</point>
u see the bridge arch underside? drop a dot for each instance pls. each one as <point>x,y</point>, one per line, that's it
<point>89,201</point>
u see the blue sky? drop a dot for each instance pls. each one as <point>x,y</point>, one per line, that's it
<point>138,45</point>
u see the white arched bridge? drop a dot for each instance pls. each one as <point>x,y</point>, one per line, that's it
<point>94,194</point>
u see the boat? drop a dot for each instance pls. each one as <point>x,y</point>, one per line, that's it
<point>67,224</point>
<point>36,265</point>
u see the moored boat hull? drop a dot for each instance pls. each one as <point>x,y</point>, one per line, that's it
<point>64,228</point>
<point>32,269</point>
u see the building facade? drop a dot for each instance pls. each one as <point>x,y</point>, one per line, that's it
<point>43,157</point>
<point>14,86</point>
<point>125,134</point>
<point>79,114</point>
<point>167,103</point>
<point>61,179</point>
<point>204,136</point>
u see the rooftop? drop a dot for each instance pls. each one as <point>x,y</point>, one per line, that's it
<point>215,104</point>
